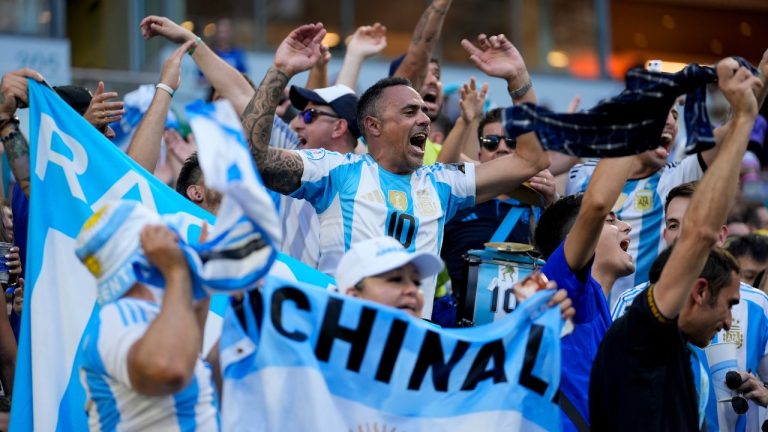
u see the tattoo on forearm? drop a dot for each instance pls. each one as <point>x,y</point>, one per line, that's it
<point>280,170</point>
<point>17,150</point>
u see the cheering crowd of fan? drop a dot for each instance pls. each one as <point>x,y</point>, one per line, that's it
<point>654,257</point>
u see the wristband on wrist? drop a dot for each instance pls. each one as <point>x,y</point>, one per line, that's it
<point>198,41</point>
<point>517,94</point>
<point>166,88</point>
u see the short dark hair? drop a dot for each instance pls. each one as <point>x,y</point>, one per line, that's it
<point>555,223</point>
<point>190,174</point>
<point>718,270</point>
<point>754,246</point>
<point>492,116</point>
<point>368,103</point>
<point>684,190</point>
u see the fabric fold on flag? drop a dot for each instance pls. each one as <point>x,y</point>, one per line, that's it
<point>359,365</point>
<point>629,123</point>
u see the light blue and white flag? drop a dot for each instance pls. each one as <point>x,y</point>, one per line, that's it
<point>313,360</point>
<point>75,170</point>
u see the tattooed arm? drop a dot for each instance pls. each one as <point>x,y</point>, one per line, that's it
<point>281,170</point>
<point>13,94</point>
<point>425,35</point>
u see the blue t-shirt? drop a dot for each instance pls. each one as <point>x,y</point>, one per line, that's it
<point>591,322</point>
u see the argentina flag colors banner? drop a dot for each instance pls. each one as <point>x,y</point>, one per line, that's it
<point>311,360</point>
<point>74,171</point>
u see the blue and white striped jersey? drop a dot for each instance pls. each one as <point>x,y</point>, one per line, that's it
<point>111,403</point>
<point>749,331</point>
<point>641,204</point>
<point>356,199</point>
<point>301,227</point>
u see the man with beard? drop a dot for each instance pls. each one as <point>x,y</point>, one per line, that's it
<point>386,192</point>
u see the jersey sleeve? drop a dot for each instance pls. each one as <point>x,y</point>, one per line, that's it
<point>460,178</point>
<point>283,137</point>
<point>324,174</point>
<point>689,169</point>
<point>557,269</point>
<point>578,177</point>
<point>122,325</point>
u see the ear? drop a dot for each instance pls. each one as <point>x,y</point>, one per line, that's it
<point>351,291</point>
<point>372,126</point>
<point>700,291</point>
<point>340,128</point>
<point>195,193</point>
<point>723,234</point>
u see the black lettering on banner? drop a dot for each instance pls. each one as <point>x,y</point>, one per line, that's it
<point>527,379</point>
<point>477,372</point>
<point>396,224</point>
<point>280,296</point>
<point>332,330</point>
<point>391,350</point>
<point>431,356</point>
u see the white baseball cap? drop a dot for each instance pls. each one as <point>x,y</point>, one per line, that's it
<point>379,255</point>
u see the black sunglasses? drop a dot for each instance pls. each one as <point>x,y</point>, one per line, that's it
<point>310,114</point>
<point>491,142</point>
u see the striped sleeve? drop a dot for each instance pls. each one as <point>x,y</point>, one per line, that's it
<point>283,137</point>
<point>122,325</point>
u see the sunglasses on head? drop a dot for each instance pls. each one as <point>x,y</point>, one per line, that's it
<point>491,142</point>
<point>310,114</point>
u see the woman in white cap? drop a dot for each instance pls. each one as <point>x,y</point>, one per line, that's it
<point>383,271</point>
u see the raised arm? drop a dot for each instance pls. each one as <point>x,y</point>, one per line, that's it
<point>281,170</point>
<point>463,136</point>
<point>722,131</point>
<point>224,78</point>
<point>13,95</point>
<point>714,195</point>
<point>163,360</point>
<point>497,57</point>
<point>145,143</point>
<point>603,191</point>
<point>365,42</point>
<point>425,35</point>
<point>318,75</point>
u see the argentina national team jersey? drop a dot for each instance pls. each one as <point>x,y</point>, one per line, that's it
<point>356,199</point>
<point>111,403</point>
<point>749,331</point>
<point>641,204</point>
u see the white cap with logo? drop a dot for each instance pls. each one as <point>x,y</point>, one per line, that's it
<point>379,255</point>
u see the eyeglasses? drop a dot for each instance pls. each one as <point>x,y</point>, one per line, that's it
<point>310,114</point>
<point>491,142</point>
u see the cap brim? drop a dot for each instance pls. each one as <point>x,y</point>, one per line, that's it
<point>300,97</point>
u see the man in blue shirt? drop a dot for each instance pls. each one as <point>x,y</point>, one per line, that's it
<point>585,247</point>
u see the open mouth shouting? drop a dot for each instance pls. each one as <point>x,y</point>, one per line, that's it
<point>418,141</point>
